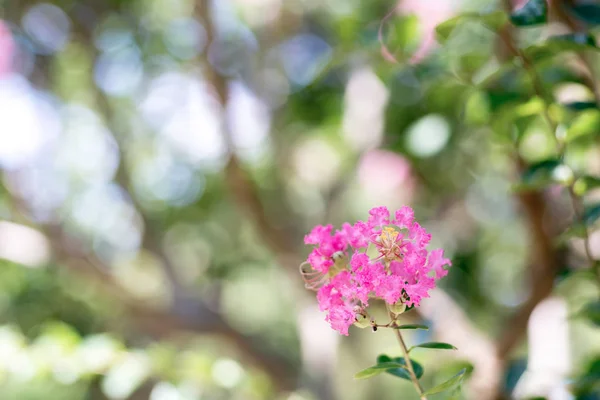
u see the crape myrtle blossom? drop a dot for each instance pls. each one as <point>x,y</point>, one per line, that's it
<point>384,258</point>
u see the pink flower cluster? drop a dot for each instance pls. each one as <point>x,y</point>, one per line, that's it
<point>383,258</point>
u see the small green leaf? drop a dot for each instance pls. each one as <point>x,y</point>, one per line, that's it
<point>587,12</point>
<point>434,345</point>
<point>581,105</point>
<point>560,43</point>
<point>411,326</point>
<point>592,312</point>
<point>585,183</point>
<point>591,214</point>
<point>540,175</point>
<point>573,41</point>
<point>534,12</point>
<point>378,369</point>
<point>449,384</point>
<point>576,230</point>
<point>494,21</point>
<point>477,108</point>
<point>445,29</point>
<point>586,123</point>
<point>403,371</point>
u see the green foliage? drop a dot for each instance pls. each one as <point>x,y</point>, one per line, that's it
<point>581,105</point>
<point>591,312</point>
<point>591,214</point>
<point>434,345</point>
<point>411,326</point>
<point>585,183</point>
<point>542,174</point>
<point>587,386</point>
<point>494,21</point>
<point>451,383</point>
<point>555,45</point>
<point>534,12</point>
<point>379,368</point>
<point>588,12</point>
<point>394,366</point>
<point>584,124</point>
<point>402,35</point>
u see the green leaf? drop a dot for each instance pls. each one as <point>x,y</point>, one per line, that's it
<point>494,21</point>
<point>541,174</point>
<point>591,214</point>
<point>411,326</point>
<point>587,12</point>
<point>573,41</point>
<point>560,43</point>
<point>434,345</point>
<point>403,371</point>
<point>575,230</point>
<point>586,123</point>
<point>581,105</point>
<point>534,12</point>
<point>585,183</point>
<point>449,384</point>
<point>592,312</point>
<point>477,108</point>
<point>378,369</point>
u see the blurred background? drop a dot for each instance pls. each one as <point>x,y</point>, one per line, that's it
<point>161,161</point>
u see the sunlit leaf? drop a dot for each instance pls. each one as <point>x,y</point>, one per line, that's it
<point>477,108</point>
<point>534,12</point>
<point>404,33</point>
<point>494,20</point>
<point>403,371</point>
<point>535,106</point>
<point>586,123</point>
<point>449,384</point>
<point>585,183</point>
<point>434,345</point>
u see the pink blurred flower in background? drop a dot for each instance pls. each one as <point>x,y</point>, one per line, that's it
<point>6,50</point>
<point>386,177</point>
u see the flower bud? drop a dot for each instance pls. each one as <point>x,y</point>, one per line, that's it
<point>362,321</point>
<point>398,308</point>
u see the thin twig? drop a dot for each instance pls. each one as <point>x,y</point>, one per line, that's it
<point>409,366</point>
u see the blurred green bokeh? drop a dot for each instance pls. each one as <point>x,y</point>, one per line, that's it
<point>162,160</point>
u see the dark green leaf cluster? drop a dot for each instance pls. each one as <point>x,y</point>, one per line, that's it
<point>397,366</point>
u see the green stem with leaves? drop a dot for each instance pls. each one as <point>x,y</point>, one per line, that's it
<point>411,371</point>
<point>539,91</point>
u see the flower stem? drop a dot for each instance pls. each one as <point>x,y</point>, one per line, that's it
<point>411,371</point>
